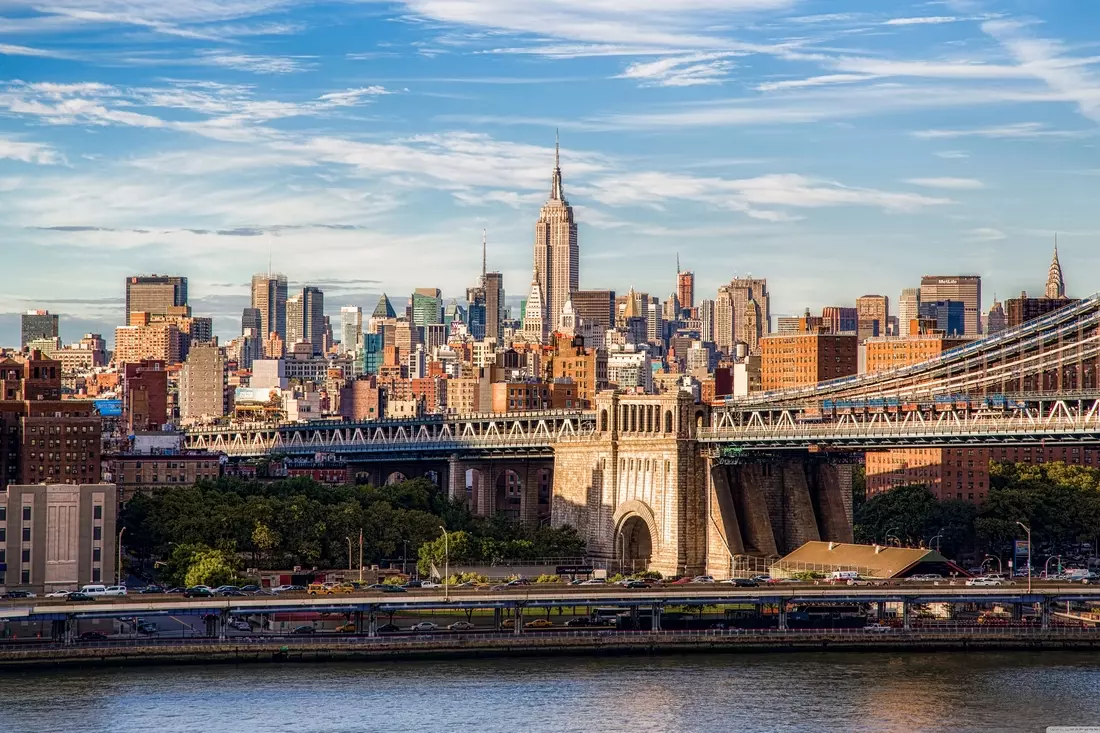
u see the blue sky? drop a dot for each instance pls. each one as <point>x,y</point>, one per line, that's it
<point>836,147</point>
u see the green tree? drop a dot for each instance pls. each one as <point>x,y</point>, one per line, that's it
<point>211,567</point>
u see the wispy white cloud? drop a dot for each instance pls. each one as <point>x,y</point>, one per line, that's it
<point>952,154</point>
<point>29,152</point>
<point>986,234</point>
<point>1014,131</point>
<point>814,81</point>
<point>947,183</point>
<point>8,49</point>
<point>352,97</point>
<point>253,63</point>
<point>925,20</point>
<point>682,71</point>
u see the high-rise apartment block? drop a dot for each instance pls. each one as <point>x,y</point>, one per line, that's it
<point>37,324</point>
<point>269,293</point>
<point>966,289</point>
<point>204,393</point>
<point>154,294</point>
<point>305,319</point>
<point>156,341</point>
<point>351,329</point>
<point>557,254</point>
<point>144,396</point>
<point>42,437</point>
<point>685,289</point>
<point>805,359</point>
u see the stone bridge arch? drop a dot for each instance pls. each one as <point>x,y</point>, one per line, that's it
<point>637,537</point>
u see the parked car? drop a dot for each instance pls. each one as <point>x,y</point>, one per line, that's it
<point>304,630</point>
<point>17,594</point>
<point>115,590</point>
<point>92,636</point>
<point>461,626</point>
<point>539,623</point>
<point>199,591</point>
<point>424,626</point>
<point>78,597</point>
<point>388,628</point>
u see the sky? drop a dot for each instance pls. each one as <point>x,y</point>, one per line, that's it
<point>835,147</point>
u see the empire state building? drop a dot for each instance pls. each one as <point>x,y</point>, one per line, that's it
<point>557,257</point>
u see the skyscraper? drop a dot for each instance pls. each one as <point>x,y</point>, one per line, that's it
<point>908,310</point>
<point>313,318</point>
<point>997,321</point>
<point>557,256</point>
<point>840,319</point>
<point>534,323</point>
<point>1056,286</point>
<point>269,297</point>
<point>295,321</point>
<point>706,320</point>
<point>351,328</point>
<point>36,325</point>
<point>966,289</point>
<point>872,312</point>
<point>493,285</point>
<point>427,306</point>
<point>154,294</point>
<point>251,319</point>
<point>685,287</point>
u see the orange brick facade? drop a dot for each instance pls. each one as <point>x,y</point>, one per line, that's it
<point>802,359</point>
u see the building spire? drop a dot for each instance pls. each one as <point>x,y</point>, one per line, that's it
<point>1056,286</point>
<point>556,193</point>
<point>677,263</point>
<point>484,258</point>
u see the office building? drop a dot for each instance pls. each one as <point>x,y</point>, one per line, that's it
<point>872,312</point>
<point>706,320</point>
<point>685,288</point>
<point>788,324</point>
<point>269,292</point>
<point>908,310</point>
<point>494,304</point>
<point>1056,286</point>
<point>35,325</point>
<point>891,352</point>
<point>351,329</point>
<point>840,319</point>
<point>427,306</point>
<point>948,315</point>
<point>557,254</point>
<point>204,391</point>
<point>58,536</point>
<point>154,294</point>
<point>595,307</point>
<point>805,359</point>
<point>251,320</point>
<point>966,289</point>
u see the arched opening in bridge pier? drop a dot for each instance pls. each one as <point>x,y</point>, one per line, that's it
<point>507,497</point>
<point>633,546</point>
<point>395,478</point>
<point>474,483</point>
<point>435,477</point>
<point>545,482</point>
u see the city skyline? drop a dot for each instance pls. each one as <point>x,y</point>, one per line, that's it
<point>835,155</point>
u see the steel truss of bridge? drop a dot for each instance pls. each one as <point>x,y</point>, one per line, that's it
<point>521,435</point>
<point>1034,421</point>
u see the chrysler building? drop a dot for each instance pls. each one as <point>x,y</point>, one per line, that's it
<point>557,257</point>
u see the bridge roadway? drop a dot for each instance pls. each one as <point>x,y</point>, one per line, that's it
<point>716,594</point>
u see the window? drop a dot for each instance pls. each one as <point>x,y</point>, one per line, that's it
<point>3,513</point>
<point>26,557</point>
<point>96,554</point>
<point>26,514</point>
<point>25,577</point>
<point>3,535</point>
<point>97,533</point>
<point>3,556</point>
<point>96,575</point>
<point>97,511</point>
<point>26,534</point>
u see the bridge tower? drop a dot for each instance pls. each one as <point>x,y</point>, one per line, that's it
<point>636,487</point>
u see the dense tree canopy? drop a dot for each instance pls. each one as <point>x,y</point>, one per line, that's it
<point>1059,502</point>
<point>280,524</point>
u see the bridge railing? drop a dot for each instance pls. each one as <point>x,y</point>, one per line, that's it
<point>985,426</point>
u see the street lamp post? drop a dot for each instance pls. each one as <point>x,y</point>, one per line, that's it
<point>1028,530</point>
<point>999,566</point>
<point>360,555</point>
<point>939,536</point>
<point>1046,565</point>
<point>351,564</point>
<point>446,563</point>
<point>119,568</point>
<point>405,556</point>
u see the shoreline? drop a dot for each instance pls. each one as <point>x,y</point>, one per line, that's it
<point>531,645</point>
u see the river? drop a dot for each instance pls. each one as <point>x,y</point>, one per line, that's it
<point>1012,691</point>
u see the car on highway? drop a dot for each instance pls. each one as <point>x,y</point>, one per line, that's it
<point>388,629</point>
<point>199,591</point>
<point>92,636</point>
<point>176,589</point>
<point>877,628</point>
<point>424,626</point>
<point>702,579</point>
<point>147,627</point>
<point>429,585</point>
<point>251,589</point>
<point>304,629</point>
<point>461,626</point>
<point>594,581</point>
<point>346,628</point>
<point>741,582</point>
<point>579,622</point>
<point>78,597</point>
<point>224,589</point>
<point>985,581</point>
<point>17,594</point>
<point>288,588</point>
<point>58,594</point>
<point>508,623</point>
<point>761,578</point>
<point>150,590</point>
<point>635,584</point>
<point>393,589</point>
<point>240,625</point>
<point>115,590</point>
<point>539,623</point>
